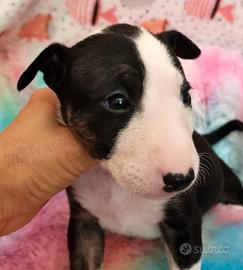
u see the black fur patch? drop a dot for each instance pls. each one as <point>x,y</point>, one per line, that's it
<point>180,44</point>
<point>84,75</point>
<point>113,64</point>
<point>86,239</point>
<point>182,226</point>
<point>221,132</point>
<point>124,29</point>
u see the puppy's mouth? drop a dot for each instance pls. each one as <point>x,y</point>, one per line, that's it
<point>147,181</point>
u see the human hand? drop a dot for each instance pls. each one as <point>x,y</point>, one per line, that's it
<point>38,158</point>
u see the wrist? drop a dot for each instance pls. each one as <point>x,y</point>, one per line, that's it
<point>17,207</point>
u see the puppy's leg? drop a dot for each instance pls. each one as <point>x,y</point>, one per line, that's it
<point>85,239</point>
<point>181,230</point>
<point>173,265</point>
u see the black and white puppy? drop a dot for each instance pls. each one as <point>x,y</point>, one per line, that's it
<point>124,95</point>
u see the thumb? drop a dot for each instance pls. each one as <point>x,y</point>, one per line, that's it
<point>43,104</point>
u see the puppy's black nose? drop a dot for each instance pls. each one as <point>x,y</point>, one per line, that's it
<point>175,182</point>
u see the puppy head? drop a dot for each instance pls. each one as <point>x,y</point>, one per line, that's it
<point>124,95</point>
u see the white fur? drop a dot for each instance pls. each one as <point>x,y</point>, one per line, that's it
<point>158,139</point>
<point>116,209</point>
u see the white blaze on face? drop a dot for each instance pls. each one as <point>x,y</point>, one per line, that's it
<point>158,139</point>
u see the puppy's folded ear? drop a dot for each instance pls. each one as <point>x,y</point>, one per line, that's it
<point>51,61</point>
<point>181,45</point>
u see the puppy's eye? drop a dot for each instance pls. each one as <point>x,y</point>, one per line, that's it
<point>118,102</point>
<point>185,95</point>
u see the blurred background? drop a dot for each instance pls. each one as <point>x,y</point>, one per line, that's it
<point>27,26</point>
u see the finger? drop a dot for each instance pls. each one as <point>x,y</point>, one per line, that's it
<point>41,108</point>
<point>45,95</point>
<point>44,101</point>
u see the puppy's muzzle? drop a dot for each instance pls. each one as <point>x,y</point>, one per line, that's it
<point>176,182</point>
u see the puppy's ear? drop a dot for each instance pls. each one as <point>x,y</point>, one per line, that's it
<point>51,61</point>
<point>181,45</point>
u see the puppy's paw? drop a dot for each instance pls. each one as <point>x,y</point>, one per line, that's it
<point>196,266</point>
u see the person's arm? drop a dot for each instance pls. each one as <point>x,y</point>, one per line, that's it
<point>38,158</point>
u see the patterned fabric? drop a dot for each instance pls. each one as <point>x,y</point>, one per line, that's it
<point>27,26</point>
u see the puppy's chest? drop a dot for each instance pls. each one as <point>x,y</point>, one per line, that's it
<point>116,209</point>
